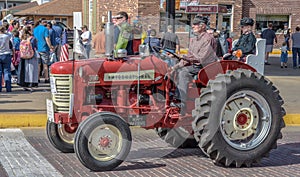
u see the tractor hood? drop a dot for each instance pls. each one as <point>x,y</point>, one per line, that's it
<point>116,70</point>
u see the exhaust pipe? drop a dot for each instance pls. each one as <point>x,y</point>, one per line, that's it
<point>109,36</point>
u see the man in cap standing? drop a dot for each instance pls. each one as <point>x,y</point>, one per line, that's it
<point>201,53</point>
<point>123,33</point>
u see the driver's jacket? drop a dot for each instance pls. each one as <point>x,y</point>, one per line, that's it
<point>202,50</point>
<point>246,43</point>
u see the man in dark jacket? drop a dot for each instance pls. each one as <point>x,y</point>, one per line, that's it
<point>246,42</point>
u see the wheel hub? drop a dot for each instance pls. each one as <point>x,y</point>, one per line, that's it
<point>240,119</point>
<point>104,141</point>
<point>243,119</point>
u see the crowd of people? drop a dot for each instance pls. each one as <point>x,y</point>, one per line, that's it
<point>28,49</point>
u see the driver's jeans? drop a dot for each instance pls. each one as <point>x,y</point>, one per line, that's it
<point>185,75</point>
<point>169,61</point>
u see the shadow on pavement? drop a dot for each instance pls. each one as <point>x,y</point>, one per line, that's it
<point>284,155</point>
<point>15,101</point>
<point>164,153</point>
<point>139,166</point>
<point>22,110</point>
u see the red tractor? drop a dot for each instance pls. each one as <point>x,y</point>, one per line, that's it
<point>234,114</point>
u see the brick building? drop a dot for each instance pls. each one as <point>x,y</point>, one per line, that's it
<point>94,12</point>
<point>278,12</point>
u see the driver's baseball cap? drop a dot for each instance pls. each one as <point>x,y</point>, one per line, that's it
<point>200,19</point>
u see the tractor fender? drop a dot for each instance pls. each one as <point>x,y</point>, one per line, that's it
<point>210,71</point>
<point>103,113</point>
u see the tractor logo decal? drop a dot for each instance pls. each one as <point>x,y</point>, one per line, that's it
<point>129,76</point>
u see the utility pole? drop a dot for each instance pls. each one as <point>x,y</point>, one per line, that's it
<point>170,13</point>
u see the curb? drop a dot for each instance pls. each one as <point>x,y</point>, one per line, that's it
<point>274,52</point>
<point>40,120</point>
<point>292,119</point>
<point>22,120</point>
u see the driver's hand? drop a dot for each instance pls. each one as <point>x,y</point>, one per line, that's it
<point>171,70</point>
<point>170,55</point>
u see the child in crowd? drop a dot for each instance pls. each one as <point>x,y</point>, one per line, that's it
<point>284,55</point>
<point>16,57</point>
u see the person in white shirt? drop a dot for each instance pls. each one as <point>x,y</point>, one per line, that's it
<point>86,38</point>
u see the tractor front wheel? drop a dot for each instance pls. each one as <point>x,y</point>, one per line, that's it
<point>61,136</point>
<point>102,141</point>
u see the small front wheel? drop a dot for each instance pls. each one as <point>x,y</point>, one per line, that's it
<point>61,136</point>
<point>102,141</point>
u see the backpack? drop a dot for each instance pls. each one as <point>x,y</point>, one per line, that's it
<point>26,50</point>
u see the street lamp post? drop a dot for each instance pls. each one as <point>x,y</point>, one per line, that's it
<point>6,7</point>
<point>170,13</point>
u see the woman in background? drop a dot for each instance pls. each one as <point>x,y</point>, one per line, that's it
<point>28,68</point>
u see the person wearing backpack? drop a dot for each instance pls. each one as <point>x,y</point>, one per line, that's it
<point>28,67</point>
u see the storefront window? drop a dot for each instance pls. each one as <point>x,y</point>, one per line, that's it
<point>278,22</point>
<point>182,21</point>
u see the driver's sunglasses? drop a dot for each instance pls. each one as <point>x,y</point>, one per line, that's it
<point>119,18</point>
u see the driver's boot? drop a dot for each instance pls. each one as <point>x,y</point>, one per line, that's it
<point>181,106</point>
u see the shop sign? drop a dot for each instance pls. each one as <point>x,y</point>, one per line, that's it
<point>207,9</point>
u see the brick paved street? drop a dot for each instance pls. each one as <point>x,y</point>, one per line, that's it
<point>150,156</point>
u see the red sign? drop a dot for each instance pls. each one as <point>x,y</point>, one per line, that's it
<point>206,9</point>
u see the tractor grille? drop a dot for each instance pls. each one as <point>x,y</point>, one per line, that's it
<point>61,99</point>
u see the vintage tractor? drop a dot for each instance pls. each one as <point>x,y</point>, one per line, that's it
<point>234,114</point>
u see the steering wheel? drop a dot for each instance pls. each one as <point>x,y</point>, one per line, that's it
<point>157,51</point>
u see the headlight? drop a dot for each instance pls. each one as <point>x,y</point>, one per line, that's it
<point>80,71</point>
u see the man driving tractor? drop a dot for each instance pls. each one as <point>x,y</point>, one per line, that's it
<point>201,53</point>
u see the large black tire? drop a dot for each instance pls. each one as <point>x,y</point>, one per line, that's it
<point>102,141</point>
<point>59,137</point>
<point>177,137</point>
<point>238,118</point>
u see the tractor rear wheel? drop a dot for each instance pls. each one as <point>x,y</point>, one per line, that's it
<point>177,137</point>
<point>102,141</point>
<point>61,136</point>
<point>238,118</point>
